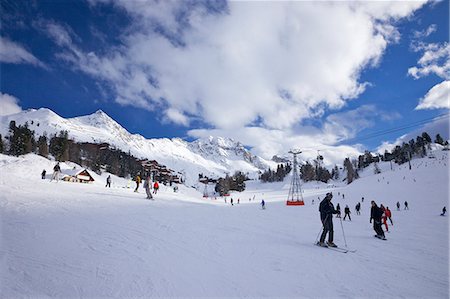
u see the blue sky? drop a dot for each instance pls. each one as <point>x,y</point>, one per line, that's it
<point>274,75</point>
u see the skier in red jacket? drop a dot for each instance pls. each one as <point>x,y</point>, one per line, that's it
<point>388,215</point>
<point>155,187</point>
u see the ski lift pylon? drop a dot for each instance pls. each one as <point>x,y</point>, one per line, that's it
<point>295,197</point>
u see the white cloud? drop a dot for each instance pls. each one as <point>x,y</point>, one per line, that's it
<point>11,52</point>
<point>274,64</point>
<point>337,127</point>
<point>435,60</point>
<point>9,104</point>
<point>176,117</point>
<point>425,33</point>
<point>437,97</point>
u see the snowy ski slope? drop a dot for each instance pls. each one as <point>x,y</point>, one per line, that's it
<point>65,240</point>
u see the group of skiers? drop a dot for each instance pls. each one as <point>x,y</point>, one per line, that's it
<point>378,214</point>
<point>147,186</point>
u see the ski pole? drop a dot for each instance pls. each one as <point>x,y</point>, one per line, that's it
<point>345,242</point>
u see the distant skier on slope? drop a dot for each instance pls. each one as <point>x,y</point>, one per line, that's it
<point>138,181</point>
<point>375,215</point>
<point>338,208</point>
<point>347,213</point>
<point>398,206</point>
<point>406,205</point>
<point>147,187</point>
<point>388,214</point>
<point>263,204</point>
<point>155,187</point>
<point>43,173</point>
<point>358,208</point>
<point>108,181</point>
<point>56,172</point>
<point>444,209</point>
<point>326,209</point>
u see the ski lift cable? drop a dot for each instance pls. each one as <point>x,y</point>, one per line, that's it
<point>388,131</point>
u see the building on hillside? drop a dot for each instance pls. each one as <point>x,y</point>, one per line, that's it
<point>159,172</point>
<point>77,176</point>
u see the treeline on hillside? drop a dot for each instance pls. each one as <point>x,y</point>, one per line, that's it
<point>309,172</point>
<point>276,176</point>
<point>415,148</point>
<point>236,182</point>
<point>21,140</point>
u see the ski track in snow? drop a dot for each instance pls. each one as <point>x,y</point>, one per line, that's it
<point>64,240</point>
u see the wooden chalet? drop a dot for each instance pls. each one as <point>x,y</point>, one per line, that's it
<point>77,176</point>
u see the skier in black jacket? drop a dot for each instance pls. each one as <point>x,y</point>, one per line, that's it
<point>376,213</point>
<point>327,210</point>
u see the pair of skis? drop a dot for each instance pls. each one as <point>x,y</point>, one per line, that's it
<point>338,249</point>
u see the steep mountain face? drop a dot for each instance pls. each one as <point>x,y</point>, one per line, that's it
<point>213,156</point>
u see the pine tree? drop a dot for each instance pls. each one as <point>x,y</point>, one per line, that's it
<point>21,139</point>
<point>351,175</point>
<point>42,145</point>
<point>307,172</point>
<point>426,137</point>
<point>439,140</point>
<point>59,146</point>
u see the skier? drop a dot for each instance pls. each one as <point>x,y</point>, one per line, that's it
<point>232,201</point>
<point>362,199</point>
<point>327,210</point>
<point>358,208</point>
<point>406,205</point>
<point>398,206</point>
<point>444,209</point>
<point>338,208</point>
<point>147,187</point>
<point>263,204</point>
<point>388,214</point>
<point>343,196</point>
<point>239,200</point>
<point>347,213</point>
<point>138,181</point>
<point>155,187</point>
<point>383,217</point>
<point>56,171</point>
<point>44,172</point>
<point>375,214</point>
<point>108,181</point>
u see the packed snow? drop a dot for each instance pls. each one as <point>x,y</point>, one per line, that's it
<point>62,239</point>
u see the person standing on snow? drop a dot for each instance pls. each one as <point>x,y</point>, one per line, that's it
<point>108,181</point>
<point>43,173</point>
<point>326,209</point>
<point>147,187</point>
<point>444,209</point>
<point>388,214</point>
<point>398,206</point>
<point>338,208</point>
<point>406,205</point>
<point>375,214</point>
<point>263,204</point>
<point>347,213</point>
<point>358,208</point>
<point>56,172</point>
<point>155,187</point>
<point>138,181</point>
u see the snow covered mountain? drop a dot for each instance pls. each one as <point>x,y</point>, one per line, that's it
<point>213,156</point>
